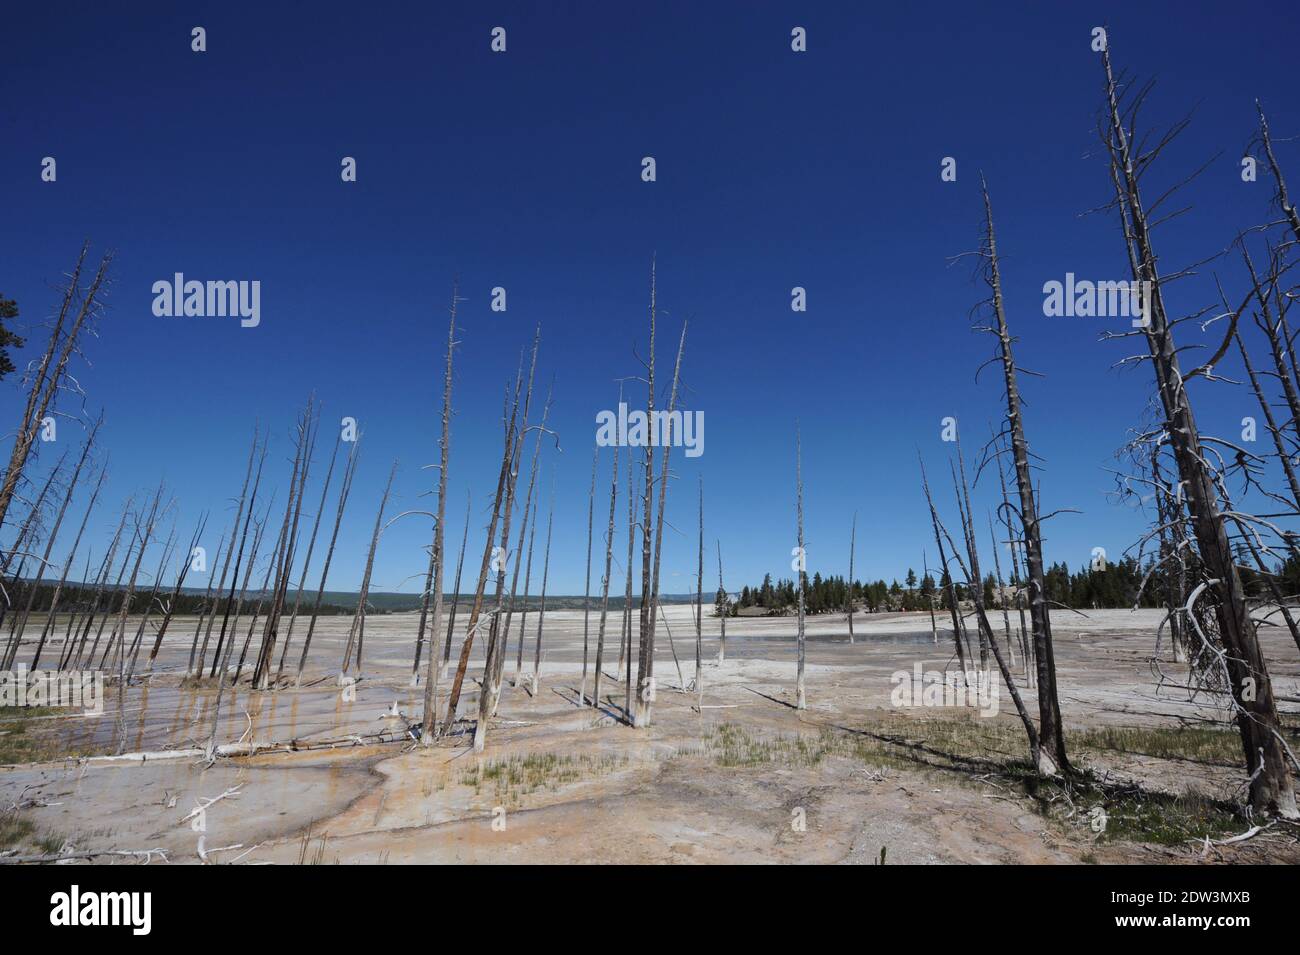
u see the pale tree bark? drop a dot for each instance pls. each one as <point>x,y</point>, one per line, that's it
<point>801,701</point>
<point>528,585</point>
<point>625,651</point>
<point>245,511</point>
<point>586,597</point>
<point>356,635</point>
<point>853,541</point>
<point>722,589</point>
<point>439,538</point>
<point>455,597</point>
<point>699,606</point>
<point>541,613</point>
<point>306,564</point>
<point>604,582</point>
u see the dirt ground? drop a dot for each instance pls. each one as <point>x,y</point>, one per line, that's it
<point>730,772</point>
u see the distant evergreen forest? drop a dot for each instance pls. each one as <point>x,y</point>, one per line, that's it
<point>1115,586</point>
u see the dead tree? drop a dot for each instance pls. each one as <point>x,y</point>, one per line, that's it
<point>356,635</point>
<point>27,536</point>
<point>218,666</point>
<point>699,604</point>
<point>528,578</point>
<point>801,702</point>
<point>495,655</point>
<point>853,540</point>
<point>79,307</point>
<point>345,489</point>
<point>1051,734</point>
<point>953,607</point>
<point>586,596</point>
<point>625,653</point>
<point>306,564</point>
<point>645,678</point>
<point>541,612</point>
<point>726,602</point>
<point>476,608</point>
<point>455,597</point>
<point>1271,786</point>
<point>604,582</point>
<point>96,599</point>
<point>187,562</point>
<point>440,521</point>
<point>48,628</point>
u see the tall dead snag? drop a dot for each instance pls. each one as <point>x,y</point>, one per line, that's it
<point>968,534</point>
<point>645,664</point>
<point>455,597</point>
<point>541,612</point>
<point>528,579</point>
<point>80,306</point>
<point>1017,575</point>
<point>528,522</point>
<point>356,635</point>
<point>308,429</point>
<point>306,564</point>
<point>929,598</point>
<point>800,700</point>
<point>604,581</point>
<point>1002,593</point>
<point>225,567</point>
<point>724,606</point>
<point>1051,734</point>
<point>476,608</point>
<point>345,489</point>
<point>625,652</point>
<point>973,583</point>
<point>72,658</point>
<point>944,576</point>
<point>120,629</point>
<point>44,562</point>
<point>1271,786</point>
<point>187,562</point>
<point>150,601</point>
<point>219,658</point>
<point>646,696</point>
<point>853,542</point>
<point>439,542</point>
<point>28,535</point>
<point>699,605</point>
<point>586,596</point>
<point>495,656</point>
<point>48,627</point>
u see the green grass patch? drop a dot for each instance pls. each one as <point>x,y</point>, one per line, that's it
<point>516,776</point>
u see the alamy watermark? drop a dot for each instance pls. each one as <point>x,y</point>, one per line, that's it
<point>210,299</point>
<point>922,687</point>
<point>637,429</point>
<point>1087,299</point>
<point>71,689</point>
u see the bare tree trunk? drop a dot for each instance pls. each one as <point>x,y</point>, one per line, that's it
<point>604,582</point>
<point>722,639</point>
<point>943,572</point>
<point>1051,735</point>
<point>101,581</point>
<point>455,597</point>
<point>625,652</point>
<point>1271,786</point>
<point>247,514</point>
<point>50,372</point>
<point>48,628</point>
<point>306,564</point>
<point>586,597</point>
<point>800,699</point>
<point>541,613</point>
<point>356,634</point>
<point>853,541</point>
<point>528,581</point>
<point>345,489</point>
<point>439,551</point>
<point>699,605</point>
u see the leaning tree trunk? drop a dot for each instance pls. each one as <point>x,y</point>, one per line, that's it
<point>1271,786</point>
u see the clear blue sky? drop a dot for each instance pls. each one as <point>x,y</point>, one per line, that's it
<point>775,169</point>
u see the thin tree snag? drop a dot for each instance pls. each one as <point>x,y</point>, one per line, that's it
<point>699,605</point>
<point>1017,577</point>
<point>245,511</point>
<point>801,701</point>
<point>1002,592</point>
<point>853,541</point>
<point>541,613</point>
<point>645,703</point>
<point>1281,196</point>
<point>48,627</point>
<point>604,582</point>
<point>50,539</point>
<point>345,489</point>
<point>528,583</point>
<point>527,524</point>
<point>645,662</point>
<point>49,378</point>
<point>1052,756</point>
<point>929,598</point>
<point>1271,785</point>
<point>439,539</point>
<point>495,655</point>
<point>306,564</point>
<point>455,597</point>
<point>356,635</point>
<point>625,653</point>
<point>944,575</point>
<point>726,601</point>
<point>586,596</point>
<point>28,533</point>
<point>462,664</point>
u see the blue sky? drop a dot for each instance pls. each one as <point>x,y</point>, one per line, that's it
<point>522,170</point>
